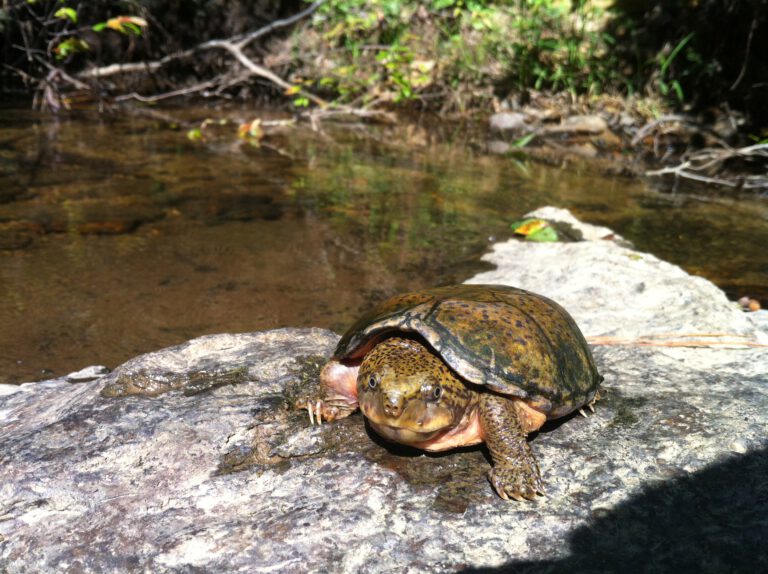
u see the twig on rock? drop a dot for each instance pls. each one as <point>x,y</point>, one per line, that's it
<point>708,340</point>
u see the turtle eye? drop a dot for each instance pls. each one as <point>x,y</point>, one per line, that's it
<point>437,392</point>
<point>372,383</point>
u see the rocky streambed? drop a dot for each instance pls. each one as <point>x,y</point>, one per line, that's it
<point>193,459</point>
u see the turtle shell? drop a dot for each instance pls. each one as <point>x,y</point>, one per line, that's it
<point>513,341</point>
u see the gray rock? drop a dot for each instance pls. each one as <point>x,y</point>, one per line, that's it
<point>216,472</point>
<point>508,122</point>
<point>498,147</point>
<point>9,389</point>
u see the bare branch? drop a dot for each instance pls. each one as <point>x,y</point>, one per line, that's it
<point>246,39</point>
<point>235,50</point>
<point>164,96</point>
<point>709,159</point>
<point>650,126</point>
<point>148,67</point>
<point>238,41</point>
<point>743,71</point>
<point>54,72</point>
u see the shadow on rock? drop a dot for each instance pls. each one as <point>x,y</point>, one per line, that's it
<point>715,520</point>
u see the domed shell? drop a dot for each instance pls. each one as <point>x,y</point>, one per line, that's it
<point>515,342</point>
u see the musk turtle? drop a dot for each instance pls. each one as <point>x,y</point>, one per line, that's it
<point>460,365</point>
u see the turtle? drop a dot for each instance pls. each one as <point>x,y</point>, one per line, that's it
<point>461,365</point>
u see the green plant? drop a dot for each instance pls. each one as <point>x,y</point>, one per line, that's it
<point>666,82</point>
<point>402,50</point>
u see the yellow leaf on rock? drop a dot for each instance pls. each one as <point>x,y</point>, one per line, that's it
<point>530,226</point>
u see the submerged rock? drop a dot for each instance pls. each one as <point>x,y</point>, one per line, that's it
<point>193,459</point>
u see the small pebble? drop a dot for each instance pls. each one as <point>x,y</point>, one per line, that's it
<point>87,374</point>
<point>738,446</point>
<point>749,304</point>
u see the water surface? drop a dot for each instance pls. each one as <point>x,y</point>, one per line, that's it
<point>119,235</point>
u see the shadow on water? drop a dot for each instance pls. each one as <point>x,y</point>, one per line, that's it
<point>715,520</point>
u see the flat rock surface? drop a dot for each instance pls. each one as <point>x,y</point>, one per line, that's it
<point>192,459</point>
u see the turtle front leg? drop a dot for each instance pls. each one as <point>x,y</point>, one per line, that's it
<point>338,393</point>
<point>515,473</point>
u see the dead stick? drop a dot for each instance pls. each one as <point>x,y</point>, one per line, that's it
<point>648,342</point>
<point>240,41</point>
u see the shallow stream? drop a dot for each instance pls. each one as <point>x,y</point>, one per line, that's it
<point>120,235</point>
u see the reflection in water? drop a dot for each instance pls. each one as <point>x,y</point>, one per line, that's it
<point>119,236</point>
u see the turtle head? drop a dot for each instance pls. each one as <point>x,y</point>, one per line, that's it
<point>408,394</point>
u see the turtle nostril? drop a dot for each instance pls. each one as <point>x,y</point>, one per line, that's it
<point>393,405</point>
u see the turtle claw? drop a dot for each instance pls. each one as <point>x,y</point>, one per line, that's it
<point>519,483</point>
<point>325,410</point>
<point>582,413</point>
<point>315,413</point>
<point>591,404</point>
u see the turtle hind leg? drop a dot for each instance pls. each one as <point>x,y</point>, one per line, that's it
<point>515,473</point>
